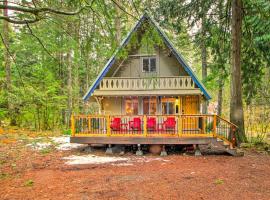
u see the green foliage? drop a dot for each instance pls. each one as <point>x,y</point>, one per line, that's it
<point>28,183</point>
<point>67,132</point>
<point>45,151</point>
<point>39,74</point>
<point>39,91</point>
<point>3,176</point>
<point>219,181</point>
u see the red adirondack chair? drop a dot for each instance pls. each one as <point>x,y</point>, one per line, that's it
<point>169,123</point>
<point>116,124</point>
<point>151,123</point>
<point>135,124</point>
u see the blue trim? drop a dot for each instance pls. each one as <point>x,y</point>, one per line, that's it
<point>112,60</point>
<point>181,60</point>
<point>168,43</point>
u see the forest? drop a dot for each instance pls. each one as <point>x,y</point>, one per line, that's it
<point>52,51</point>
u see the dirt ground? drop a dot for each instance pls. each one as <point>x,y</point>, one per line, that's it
<point>31,174</point>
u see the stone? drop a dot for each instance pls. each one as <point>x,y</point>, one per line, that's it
<point>197,151</point>
<point>88,149</point>
<point>163,153</point>
<point>109,151</point>
<point>139,153</point>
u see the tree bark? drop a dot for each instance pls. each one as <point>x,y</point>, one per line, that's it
<point>117,23</point>
<point>69,81</point>
<point>204,59</point>
<point>7,62</point>
<point>221,53</point>
<point>220,95</point>
<point>236,104</point>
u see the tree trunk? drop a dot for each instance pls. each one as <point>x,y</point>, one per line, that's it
<point>220,54</point>
<point>236,104</point>
<point>204,59</point>
<point>220,95</point>
<point>117,23</point>
<point>7,64</point>
<point>69,81</point>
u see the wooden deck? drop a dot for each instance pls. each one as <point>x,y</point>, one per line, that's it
<point>182,129</point>
<point>141,140</point>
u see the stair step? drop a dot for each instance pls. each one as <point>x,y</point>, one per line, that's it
<point>235,152</point>
<point>219,140</point>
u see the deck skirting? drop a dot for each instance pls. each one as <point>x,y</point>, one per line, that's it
<point>141,140</point>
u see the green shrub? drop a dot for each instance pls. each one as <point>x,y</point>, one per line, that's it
<point>67,132</point>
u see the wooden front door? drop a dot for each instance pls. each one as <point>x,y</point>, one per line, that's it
<point>190,105</point>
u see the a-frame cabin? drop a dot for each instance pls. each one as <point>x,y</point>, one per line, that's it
<point>147,94</point>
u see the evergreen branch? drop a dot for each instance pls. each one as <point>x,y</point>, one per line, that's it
<point>37,11</point>
<point>40,42</point>
<point>13,59</point>
<point>121,8</point>
<point>14,21</point>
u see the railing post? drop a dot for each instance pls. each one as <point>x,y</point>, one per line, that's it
<point>72,125</point>
<point>144,125</point>
<point>108,120</point>
<point>215,126</point>
<point>203,125</point>
<point>180,128</point>
<point>89,124</point>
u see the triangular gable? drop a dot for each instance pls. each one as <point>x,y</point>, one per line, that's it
<point>178,56</point>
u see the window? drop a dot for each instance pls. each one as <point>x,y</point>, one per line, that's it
<point>168,106</point>
<point>149,105</point>
<point>149,64</point>
<point>131,106</point>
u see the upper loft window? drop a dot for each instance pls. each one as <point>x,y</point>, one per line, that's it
<point>149,64</point>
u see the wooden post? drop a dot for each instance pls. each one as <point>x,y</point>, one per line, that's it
<point>72,125</point>
<point>108,120</point>
<point>203,125</point>
<point>145,125</point>
<point>215,126</point>
<point>89,124</point>
<point>180,128</point>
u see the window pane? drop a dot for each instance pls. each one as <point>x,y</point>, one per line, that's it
<point>153,64</point>
<point>135,106</point>
<point>153,106</point>
<point>145,64</point>
<point>164,108</point>
<point>128,106</point>
<point>168,105</point>
<point>171,108</point>
<point>146,105</point>
<point>131,106</point>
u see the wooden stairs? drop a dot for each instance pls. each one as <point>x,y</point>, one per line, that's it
<point>228,147</point>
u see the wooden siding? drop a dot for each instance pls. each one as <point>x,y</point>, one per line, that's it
<point>166,65</point>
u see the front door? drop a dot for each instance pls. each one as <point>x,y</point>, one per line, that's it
<point>190,106</point>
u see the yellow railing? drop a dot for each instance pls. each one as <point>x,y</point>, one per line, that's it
<point>198,125</point>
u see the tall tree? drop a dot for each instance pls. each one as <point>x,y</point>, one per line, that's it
<point>69,81</point>
<point>117,22</point>
<point>236,103</point>
<point>203,51</point>
<point>7,57</point>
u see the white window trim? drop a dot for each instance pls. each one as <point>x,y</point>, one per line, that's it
<point>148,57</point>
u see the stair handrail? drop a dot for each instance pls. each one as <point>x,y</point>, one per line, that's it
<point>232,139</point>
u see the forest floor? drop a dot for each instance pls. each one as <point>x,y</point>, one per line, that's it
<point>27,172</point>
